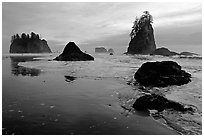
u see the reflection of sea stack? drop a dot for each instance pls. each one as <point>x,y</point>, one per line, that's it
<point>28,44</point>
<point>73,53</point>
<point>142,36</point>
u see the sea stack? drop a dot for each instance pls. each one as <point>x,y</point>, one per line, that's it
<point>28,44</point>
<point>142,36</point>
<point>73,53</point>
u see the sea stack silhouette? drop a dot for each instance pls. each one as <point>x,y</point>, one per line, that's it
<point>142,36</point>
<point>28,44</point>
<point>73,53</point>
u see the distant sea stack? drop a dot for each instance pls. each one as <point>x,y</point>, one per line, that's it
<point>166,52</point>
<point>73,53</point>
<point>110,50</point>
<point>103,50</point>
<point>28,44</point>
<point>142,36</point>
<point>100,50</point>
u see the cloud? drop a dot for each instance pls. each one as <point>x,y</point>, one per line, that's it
<point>85,22</point>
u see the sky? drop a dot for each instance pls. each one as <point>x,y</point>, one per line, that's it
<point>177,26</point>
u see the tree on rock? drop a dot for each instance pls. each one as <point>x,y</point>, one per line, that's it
<point>142,35</point>
<point>146,18</point>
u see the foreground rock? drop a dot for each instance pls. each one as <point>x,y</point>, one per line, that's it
<point>163,52</point>
<point>142,36</point>
<point>73,53</point>
<point>159,103</point>
<point>28,44</point>
<point>161,74</point>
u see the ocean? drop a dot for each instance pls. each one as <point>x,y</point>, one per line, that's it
<point>45,97</point>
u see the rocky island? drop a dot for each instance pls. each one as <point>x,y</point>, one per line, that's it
<point>142,36</point>
<point>166,52</point>
<point>73,53</point>
<point>28,44</point>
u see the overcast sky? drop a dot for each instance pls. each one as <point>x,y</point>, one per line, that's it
<point>177,26</point>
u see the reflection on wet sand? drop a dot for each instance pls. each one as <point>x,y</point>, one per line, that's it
<point>20,70</point>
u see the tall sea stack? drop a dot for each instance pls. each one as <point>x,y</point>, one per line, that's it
<point>142,36</point>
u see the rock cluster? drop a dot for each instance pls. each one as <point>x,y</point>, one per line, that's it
<point>28,44</point>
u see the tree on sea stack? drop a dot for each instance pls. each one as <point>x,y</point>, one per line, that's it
<point>142,35</point>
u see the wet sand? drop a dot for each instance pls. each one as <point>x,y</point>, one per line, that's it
<point>54,103</point>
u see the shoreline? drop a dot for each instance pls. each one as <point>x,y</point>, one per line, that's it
<point>88,100</point>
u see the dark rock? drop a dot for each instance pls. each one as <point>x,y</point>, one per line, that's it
<point>111,54</point>
<point>73,53</point>
<point>164,52</point>
<point>69,78</point>
<point>143,42</point>
<point>27,44</point>
<point>100,50</point>
<point>188,54</point>
<point>157,102</point>
<point>161,74</point>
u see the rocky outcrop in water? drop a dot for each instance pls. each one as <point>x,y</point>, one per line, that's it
<point>164,52</point>
<point>28,44</point>
<point>103,50</point>
<point>100,50</point>
<point>142,36</point>
<point>188,54</point>
<point>73,53</point>
<point>159,103</point>
<point>161,74</point>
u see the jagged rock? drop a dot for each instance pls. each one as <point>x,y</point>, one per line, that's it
<point>164,52</point>
<point>157,102</point>
<point>143,42</point>
<point>161,74</point>
<point>100,50</point>
<point>73,53</point>
<point>27,44</point>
